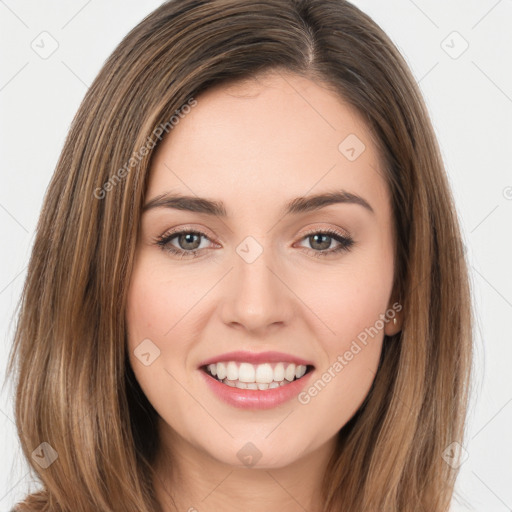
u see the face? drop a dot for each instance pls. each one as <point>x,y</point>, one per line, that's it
<point>290,285</point>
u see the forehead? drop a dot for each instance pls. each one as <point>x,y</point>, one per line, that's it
<point>261,140</point>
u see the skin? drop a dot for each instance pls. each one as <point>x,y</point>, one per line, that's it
<point>255,146</point>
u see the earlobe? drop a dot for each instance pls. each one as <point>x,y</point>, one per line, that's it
<point>394,314</point>
<point>393,326</point>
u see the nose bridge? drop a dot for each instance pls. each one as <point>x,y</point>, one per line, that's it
<point>255,280</point>
<point>256,297</point>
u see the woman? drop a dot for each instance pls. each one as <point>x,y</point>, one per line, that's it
<point>311,348</point>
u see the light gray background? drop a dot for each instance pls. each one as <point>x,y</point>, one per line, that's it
<point>470,100</point>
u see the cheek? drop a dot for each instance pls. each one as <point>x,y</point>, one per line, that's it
<point>155,316</point>
<point>352,304</point>
<point>351,300</point>
<point>149,307</point>
<point>158,302</point>
<point>153,309</point>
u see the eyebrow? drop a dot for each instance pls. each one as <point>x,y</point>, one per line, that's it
<point>294,207</point>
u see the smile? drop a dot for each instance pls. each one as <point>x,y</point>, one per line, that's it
<point>244,375</point>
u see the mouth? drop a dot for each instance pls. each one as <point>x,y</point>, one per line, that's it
<point>262,377</point>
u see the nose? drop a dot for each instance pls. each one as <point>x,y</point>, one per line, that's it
<point>257,297</point>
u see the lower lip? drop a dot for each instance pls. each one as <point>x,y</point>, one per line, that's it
<point>253,398</point>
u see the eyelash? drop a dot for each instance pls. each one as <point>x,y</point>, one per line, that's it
<point>345,242</point>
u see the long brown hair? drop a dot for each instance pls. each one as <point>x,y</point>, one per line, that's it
<point>74,386</point>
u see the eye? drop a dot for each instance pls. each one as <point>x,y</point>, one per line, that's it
<point>189,243</point>
<point>320,241</point>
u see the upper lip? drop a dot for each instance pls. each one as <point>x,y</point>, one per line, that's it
<point>256,358</point>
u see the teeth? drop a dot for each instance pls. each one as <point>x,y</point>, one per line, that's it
<point>261,376</point>
<point>246,373</point>
<point>300,371</point>
<point>264,373</point>
<point>289,373</point>
<point>232,371</point>
<point>221,371</point>
<point>279,372</point>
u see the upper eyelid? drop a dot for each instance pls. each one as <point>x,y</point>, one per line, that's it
<point>174,233</point>
<point>205,231</point>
